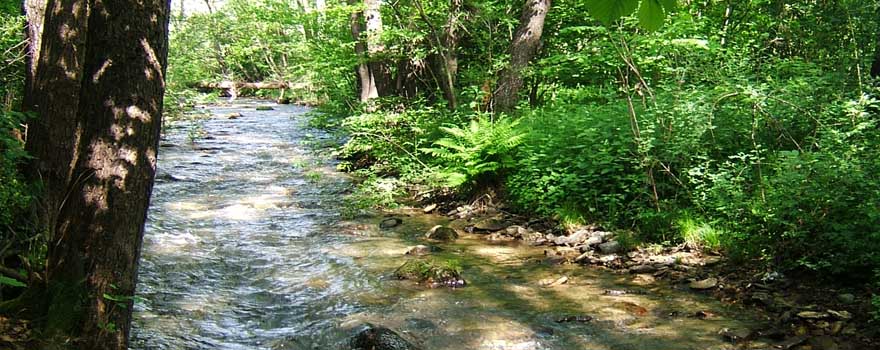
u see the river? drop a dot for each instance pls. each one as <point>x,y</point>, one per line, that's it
<point>245,248</point>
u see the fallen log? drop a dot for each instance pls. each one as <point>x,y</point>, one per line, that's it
<point>241,85</point>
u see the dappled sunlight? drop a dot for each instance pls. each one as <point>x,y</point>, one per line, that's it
<point>265,239</point>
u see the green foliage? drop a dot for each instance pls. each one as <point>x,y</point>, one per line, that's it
<point>651,12</point>
<point>754,133</point>
<point>11,282</point>
<point>699,234</point>
<point>15,195</point>
<point>12,59</point>
<point>475,154</point>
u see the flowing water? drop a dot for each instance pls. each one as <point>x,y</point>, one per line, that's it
<point>245,249</point>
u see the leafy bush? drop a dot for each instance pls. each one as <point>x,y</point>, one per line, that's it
<point>14,194</point>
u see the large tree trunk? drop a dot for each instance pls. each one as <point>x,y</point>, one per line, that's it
<point>523,48</point>
<point>99,86</point>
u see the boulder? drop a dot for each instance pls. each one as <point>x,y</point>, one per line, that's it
<point>233,115</point>
<point>442,233</point>
<point>379,338</point>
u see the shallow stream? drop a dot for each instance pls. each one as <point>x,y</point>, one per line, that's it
<point>245,249</point>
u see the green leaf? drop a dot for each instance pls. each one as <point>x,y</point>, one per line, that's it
<point>610,10</point>
<point>651,14</point>
<point>11,282</point>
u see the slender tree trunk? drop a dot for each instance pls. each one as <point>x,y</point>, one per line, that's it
<point>445,62</point>
<point>875,67</point>
<point>99,83</point>
<point>375,48</point>
<point>523,48</point>
<point>366,83</point>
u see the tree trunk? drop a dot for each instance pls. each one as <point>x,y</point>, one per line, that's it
<point>99,85</point>
<point>375,48</point>
<point>35,13</point>
<point>523,48</point>
<point>875,67</point>
<point>445,61</point>
<point>366,83</point>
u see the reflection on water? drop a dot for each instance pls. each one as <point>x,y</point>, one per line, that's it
<point>245,249</point>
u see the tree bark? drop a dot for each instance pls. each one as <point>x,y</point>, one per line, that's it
<point>445,61</point>
<point>35,13</point>
<point>523,49</point>
<point>99,83</point>
<point>366,83</point>
<point>375,48</point>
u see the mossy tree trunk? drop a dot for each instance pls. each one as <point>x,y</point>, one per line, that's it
<point>98,89</point>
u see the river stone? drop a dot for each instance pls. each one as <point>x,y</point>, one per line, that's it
<point>610,247</point>
<point>418,250</point>
<point>491,224</point>
<point>389,223</point>
<point>642,269</point>
<point>442,233</point>
<point>813,315</point>
<point>429,208</point>
<point>573,239</point>
<point>379,338</point>
<point>594,240</point>
<point>708,283</point>
<point>233,115</point>
<point>265,108</point>
<point>516,231</point>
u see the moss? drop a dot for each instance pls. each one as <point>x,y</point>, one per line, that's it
<point>433,273</point>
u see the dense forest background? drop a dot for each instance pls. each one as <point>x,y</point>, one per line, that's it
<point>747,127</point>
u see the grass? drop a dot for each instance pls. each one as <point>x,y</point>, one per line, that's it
<point>698,234</point>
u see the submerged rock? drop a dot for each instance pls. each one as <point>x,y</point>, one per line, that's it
<point>379,338</point>
<point>389,223</point>
<point>418,250</point>
<point>265,108</point>
<point>442,233</point>
<point>431,273</point>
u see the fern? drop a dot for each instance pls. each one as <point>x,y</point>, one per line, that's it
<point>479,151</point>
